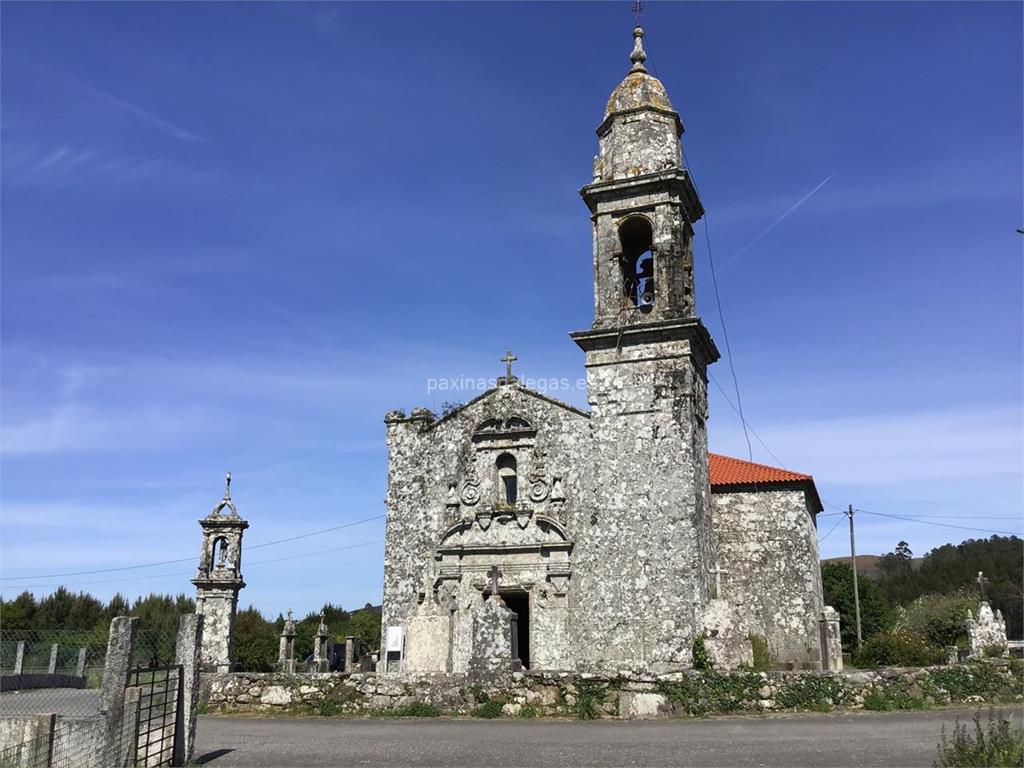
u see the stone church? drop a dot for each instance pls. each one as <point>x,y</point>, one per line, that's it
<point>602,539</point>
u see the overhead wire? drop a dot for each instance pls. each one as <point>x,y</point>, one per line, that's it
<point>188,559</point>
<point>187,573</point>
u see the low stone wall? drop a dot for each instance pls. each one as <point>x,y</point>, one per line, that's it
<point>566,694</point>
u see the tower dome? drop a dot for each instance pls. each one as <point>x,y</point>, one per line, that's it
<point>640,132</point>
<point>639,88</point>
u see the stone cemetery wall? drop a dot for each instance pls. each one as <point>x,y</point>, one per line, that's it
<point>543,694</point>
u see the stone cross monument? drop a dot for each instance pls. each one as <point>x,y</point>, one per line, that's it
<point>219,579</point>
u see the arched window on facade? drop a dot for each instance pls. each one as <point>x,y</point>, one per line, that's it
<point>637,262</point>
<point>508,482</point>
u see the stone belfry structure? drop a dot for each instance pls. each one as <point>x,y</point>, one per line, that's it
<point>219,579</point>
<point>648,549</point>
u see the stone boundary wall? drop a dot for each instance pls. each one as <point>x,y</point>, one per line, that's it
<point>566,694</point>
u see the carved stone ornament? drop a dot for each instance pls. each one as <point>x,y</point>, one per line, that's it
<point>557,491</point>
<point>538,489</point>
<point>470,493</point>
<point>452,499</point>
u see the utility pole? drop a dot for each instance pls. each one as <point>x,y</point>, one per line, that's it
<point>856,591</point>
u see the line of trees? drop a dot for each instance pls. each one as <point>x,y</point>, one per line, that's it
<point>912,609</point>
<point>256,638</point>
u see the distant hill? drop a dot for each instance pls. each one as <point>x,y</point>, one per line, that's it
<point>867,565</point>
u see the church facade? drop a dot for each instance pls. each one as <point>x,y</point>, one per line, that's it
<point>608,538</point>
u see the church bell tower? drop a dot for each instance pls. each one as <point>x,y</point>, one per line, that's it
<point>648,541</point>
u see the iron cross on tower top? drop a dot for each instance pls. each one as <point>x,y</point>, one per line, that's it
<point>638,11</point>
<point>508,359</point>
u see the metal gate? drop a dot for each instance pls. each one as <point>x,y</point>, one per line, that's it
<point>159,702</point>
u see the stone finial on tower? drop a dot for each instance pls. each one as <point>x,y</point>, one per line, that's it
<point>218,580</point>
<point>639,55</point>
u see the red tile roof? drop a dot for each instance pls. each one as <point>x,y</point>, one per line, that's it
<point>726,470</point>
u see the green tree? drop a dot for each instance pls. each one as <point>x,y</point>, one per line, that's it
<point>876,615</point>
<point>896,574</point>
<point>939,619</point>
<point>256,642</point>
<point>18,614</point>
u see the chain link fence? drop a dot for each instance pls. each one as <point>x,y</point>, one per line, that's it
<point>50,699</point>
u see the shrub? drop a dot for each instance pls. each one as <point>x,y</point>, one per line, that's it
<point>898,649</point>
<point>963,680</point>
<point>939,619</point>
<point>893,697</point>
<point>587,695</point>
<point>997,744</point>
<point>328,708</point>
<point>528,712</point>
<point>701,657</point>
<point>489,710</point>
<point>994,651</point>
<point>821,694</point>
<point>764,659</point>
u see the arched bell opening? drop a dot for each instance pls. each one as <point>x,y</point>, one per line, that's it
<point>636,261</point>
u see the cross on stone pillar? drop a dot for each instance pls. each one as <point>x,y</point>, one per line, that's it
<point>508,359</point>
<point>981,584</point>
<point>718,571</point>
<point>493,574</point>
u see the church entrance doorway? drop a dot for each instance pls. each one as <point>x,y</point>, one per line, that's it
<point>518,602</point>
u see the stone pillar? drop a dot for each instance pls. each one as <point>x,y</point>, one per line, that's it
<point>952,655</point>
<point>19,657</point>
<point>494,638</point>
<point>352,653</point>
<point>286,649</point>
<point>831,640</point>
<point>321,648</point>
<point>125,749</point>
<point>120,650</point>
<point>52,667</point>
<point>38,740</point>
<point>80,667</point>
<point>188,652</point>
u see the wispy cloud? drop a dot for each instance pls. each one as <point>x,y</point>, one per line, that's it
<point>64,164</point>
<point>75,427</point>
<point>141,114</point>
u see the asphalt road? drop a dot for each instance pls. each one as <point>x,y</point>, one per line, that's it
<point>848,739</point>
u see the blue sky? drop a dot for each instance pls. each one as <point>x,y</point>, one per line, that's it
<point>235,235</point>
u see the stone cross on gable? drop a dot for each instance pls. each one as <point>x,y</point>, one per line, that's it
<point>508,359</point>
<point>718,571</point>
<point>494,573</point>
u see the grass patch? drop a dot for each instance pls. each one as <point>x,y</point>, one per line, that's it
<point>413,709</point>
<point>489,710</point>
<point>997,744</point>
<point>529,712</point>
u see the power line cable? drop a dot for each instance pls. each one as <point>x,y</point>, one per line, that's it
<point>838,523</point>
<point>942,525</point>
<point>188,559</point>
<point>188,573</point>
